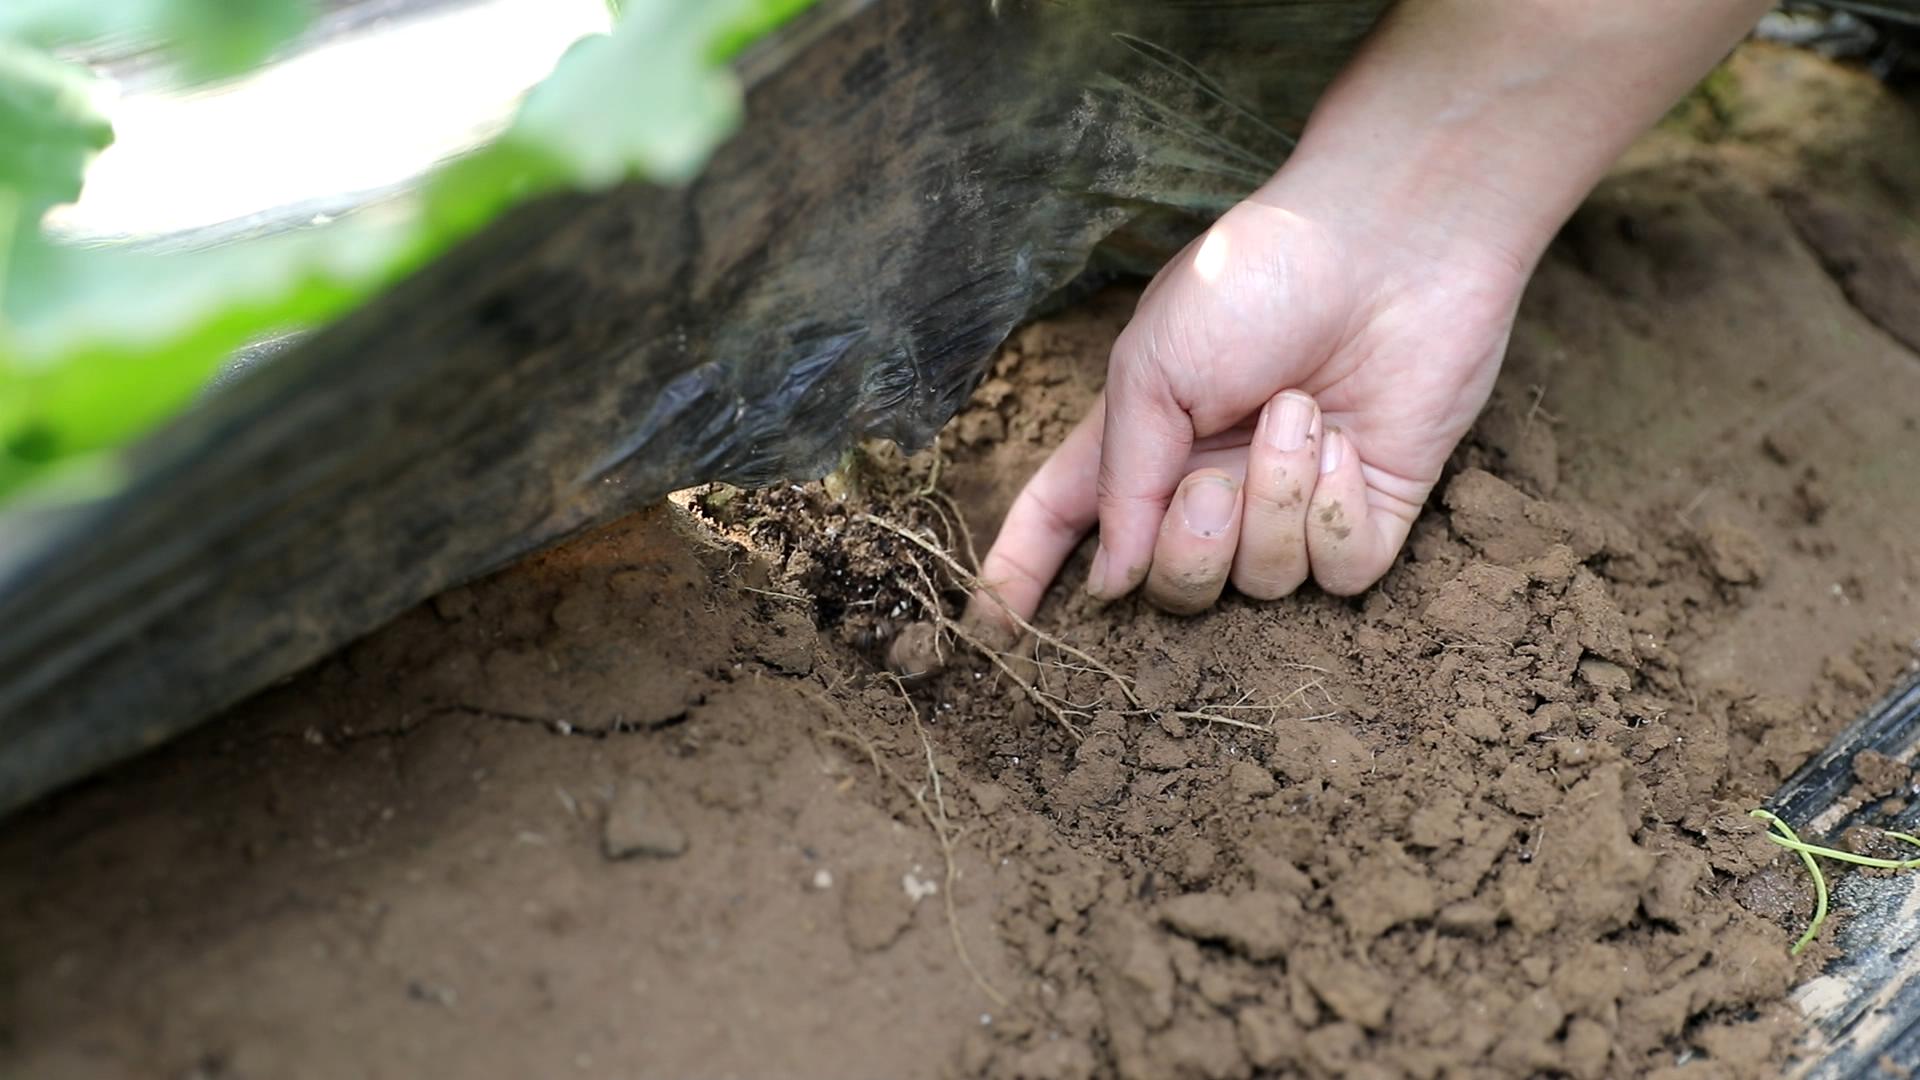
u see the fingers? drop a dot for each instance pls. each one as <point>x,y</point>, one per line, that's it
<point>1304,508</point>
<point>1283,465</point>
<point>1350,543</point>
<point>1143,455</point>
<point>1045,523</point>
<point>1194,551</point>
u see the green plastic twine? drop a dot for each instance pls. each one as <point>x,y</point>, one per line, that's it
<point>1783,835</point>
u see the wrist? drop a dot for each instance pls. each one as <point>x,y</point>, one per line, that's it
<point>1424,213</point>
<point>1466,131</point>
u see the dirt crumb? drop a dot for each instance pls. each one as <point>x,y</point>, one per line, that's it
<point>876,908</point>
<point>637,824</point>
<point>917,650</point>
<point>1253,923</point>
<point>1732,553</point>
<point>1499,521</point>
<point>1880,775</point>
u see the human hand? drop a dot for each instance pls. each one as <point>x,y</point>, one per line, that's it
<point>1279,407</point>
<point>1377,274</point>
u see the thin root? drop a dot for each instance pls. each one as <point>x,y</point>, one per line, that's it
<point>935,816</point>
<point>1060,709</point>
<point>961,526</point>
<point>943,830</point>
<point>1040,698</point>
<point>973,583</point>
<point>794,597</point>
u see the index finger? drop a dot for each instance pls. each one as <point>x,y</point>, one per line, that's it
<point>1143,458</point>
<point>1045,523</point>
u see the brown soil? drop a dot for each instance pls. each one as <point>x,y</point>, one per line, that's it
<point>649,806</point>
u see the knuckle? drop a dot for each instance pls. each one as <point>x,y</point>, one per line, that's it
<point>1010,568</point>
<point>1268,584</point>
<point>1049,516</point>
<point>1185,591</point>
<point>1277,491</point>
<point>1344,578</point>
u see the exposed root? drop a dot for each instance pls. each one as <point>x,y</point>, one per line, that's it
<point>931,603</point>
<point>1270,727</point>
<point>944,831</point>
<point>1042,700</point>
<point>944,625</point>
<point>1223,714</point>
<point>973,584</point>
<point>934,813</point>
<point>939,498</point>
<point>777,595</point>
<point>932,486</point>
<point>1062,710</point>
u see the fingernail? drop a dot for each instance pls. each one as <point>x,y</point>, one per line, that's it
<point>1097,576</point>
<point>1333,449</point>
<point>1287,427</point>
<point>1208,504</point>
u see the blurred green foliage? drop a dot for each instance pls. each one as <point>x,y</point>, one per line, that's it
<point>98,345</point>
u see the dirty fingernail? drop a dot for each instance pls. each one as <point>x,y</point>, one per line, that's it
<point>1291,418</point>
<point>1333,449</point>
<point>1209,504</point>
<point>1097,576</point>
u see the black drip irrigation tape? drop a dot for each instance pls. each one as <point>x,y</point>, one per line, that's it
<point>1863,1010</point>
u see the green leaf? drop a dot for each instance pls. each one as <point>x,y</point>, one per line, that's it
<point>122,340</point>
<point>49,128</point>
<point>752,22</point>
<point>620,104</point>
<point>212,38</point>
<point>97,346</point>
<point>217,38</point>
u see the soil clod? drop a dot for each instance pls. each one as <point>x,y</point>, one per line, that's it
<point>637,824</point>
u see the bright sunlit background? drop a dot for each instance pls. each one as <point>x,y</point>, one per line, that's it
<point>359,114</point>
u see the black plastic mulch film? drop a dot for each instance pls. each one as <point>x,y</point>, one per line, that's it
<point>913,180</point>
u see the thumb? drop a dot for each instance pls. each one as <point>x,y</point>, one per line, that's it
<point>1143,455</point>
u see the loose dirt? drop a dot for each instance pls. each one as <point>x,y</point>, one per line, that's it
<point>652,805</point>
